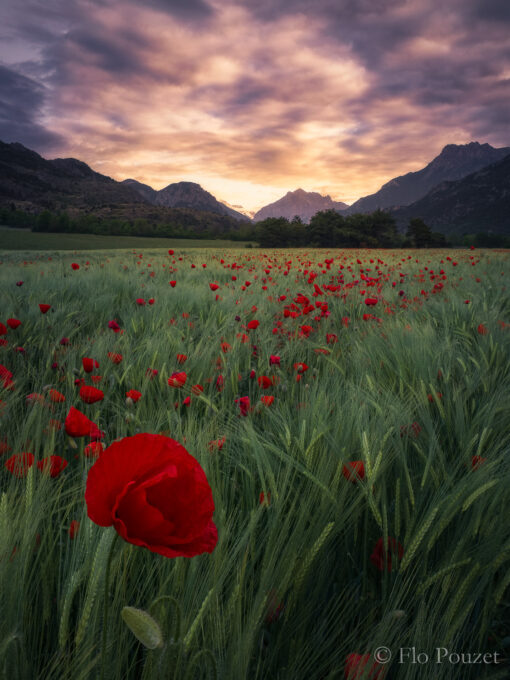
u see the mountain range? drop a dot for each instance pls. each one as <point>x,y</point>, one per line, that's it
<point>304,204</point>
<point>33,183</point>
<point>465,188</point>
<point>183,195</point>
<point>454,162</point>
<point>477,203</point>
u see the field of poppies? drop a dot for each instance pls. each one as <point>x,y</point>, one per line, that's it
<point>243,465</point>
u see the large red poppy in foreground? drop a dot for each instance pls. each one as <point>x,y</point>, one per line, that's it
<point>155,494</point>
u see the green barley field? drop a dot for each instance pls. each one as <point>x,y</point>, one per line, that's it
<point>355,440</point>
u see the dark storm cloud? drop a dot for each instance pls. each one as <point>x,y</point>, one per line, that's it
<point>369,27</point>
<point>184,9</point>
<point>115,54</point>
<point>491,10</point>
<point>21,101</point>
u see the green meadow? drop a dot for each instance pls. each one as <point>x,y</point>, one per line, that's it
<point>23,239</point>
<point>361,513</point>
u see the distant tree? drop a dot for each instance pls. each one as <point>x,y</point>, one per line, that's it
<point>383,227</point>
<point>273,232</point>
<point>297,232</point>
<point>438,240</point>
<point>44,221</point>
<point>63,223</point>
<point>324,228</point>
<point>419,233</point>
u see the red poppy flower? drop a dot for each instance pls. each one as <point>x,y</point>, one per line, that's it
<point>225,347</point>
<point>354,471</point>
<point>213,286</point>
<point>56,397</point>
<point>274,360</point>
<point>151,372</point>
<point>300,367</point>
<point>93,450</point>
<point>186,401</point>
<point>75,266</point>
<point>44,308</point>
<point>253,324</point>
<point>177,379</point>
<point>96,378</point>
<point>476,461</point>
<point>134,395</point>
<point>244,405</point>
<point>181,358</point>
<point>114,326</point>
<point>19,283</point>
<point>382,558</point>
<point>356,666</point>
<point>304,331</point>
<point>78,425</point>
<point>115,358</point>
<point>267,400</point>
<point>331,338</point>
<point>197,389</point>
<point>54,425</point>
<point>264,382</point>
<point>89,364</point>
<point>275,608</point>
<point>64,342</point>
<point>265,499</point>
<point>3,329</point>
<point>74,527</point>
<point>172,283</point>
<point>34,398</point>
<point>13,323</point>
<point>170,252</point>
<point>19,464</point>
<point>216,444</point>
<point>4,372</point>
<point>155,494</point>
<point>90,394</point>
<point>52,465</point>
<point>5,377</point>
<point>152,300</point>
<point>140,301</point>
<point>4,447</point>
<point>482,330</point>
<point>412,430</point>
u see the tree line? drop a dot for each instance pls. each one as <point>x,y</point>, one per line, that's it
<point>181,224</point>
<point>330,229</point>
<point>327,229</point>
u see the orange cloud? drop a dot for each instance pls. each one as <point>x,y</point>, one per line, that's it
<point>251,100</point>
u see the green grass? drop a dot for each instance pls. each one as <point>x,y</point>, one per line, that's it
<point>427,361</point>
<point>23,239</point>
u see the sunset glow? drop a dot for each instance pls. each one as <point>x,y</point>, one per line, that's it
<point>253,99</point>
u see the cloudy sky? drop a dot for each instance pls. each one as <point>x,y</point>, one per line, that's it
<point>256,97</point>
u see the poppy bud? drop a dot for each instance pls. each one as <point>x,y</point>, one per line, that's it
<point>143,627</point>
<point>73,529</point>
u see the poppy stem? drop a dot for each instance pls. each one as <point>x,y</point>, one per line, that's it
<point>106,604</point>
